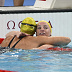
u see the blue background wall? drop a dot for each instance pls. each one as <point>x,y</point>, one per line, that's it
<point>26,3</point>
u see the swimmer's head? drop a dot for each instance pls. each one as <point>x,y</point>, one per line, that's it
<point>28,26</point>
<point>43,28</point>
<point>47,23</point>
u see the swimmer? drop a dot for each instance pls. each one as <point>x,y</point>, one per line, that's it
<point>29,42</point>
<point>44,29</point>
<point>28,27</point>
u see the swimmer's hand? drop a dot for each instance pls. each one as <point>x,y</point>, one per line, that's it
<point>21,35</point>
<point>46,46</point>
<point>17,33</point>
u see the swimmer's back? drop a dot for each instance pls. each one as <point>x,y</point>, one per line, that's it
<point>25,43</point>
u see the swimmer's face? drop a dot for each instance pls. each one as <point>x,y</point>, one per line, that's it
<point>43,29</point>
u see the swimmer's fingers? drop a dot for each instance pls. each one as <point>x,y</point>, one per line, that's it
<point>23,35</point>
<point>26,34</point>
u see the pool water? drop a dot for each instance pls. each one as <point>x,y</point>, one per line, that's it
<point>36,61</point>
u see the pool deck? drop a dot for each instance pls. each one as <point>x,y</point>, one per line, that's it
<point>21,8</point>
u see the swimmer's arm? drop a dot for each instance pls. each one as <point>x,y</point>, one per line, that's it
<point>44,46</point>
<point>56,41</point>
<point>18,33</point>
<point>13,33</point>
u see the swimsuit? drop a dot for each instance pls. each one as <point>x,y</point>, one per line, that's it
<point>5,49</point>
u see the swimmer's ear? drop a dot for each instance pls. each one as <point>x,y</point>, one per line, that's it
<point>50,33</point>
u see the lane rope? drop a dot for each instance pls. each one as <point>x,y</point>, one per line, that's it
<point>59,49</point>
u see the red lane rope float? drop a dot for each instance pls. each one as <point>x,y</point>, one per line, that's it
<point>7,71</point>
<point>42,0</point>
<point>59,49</point>
<point>1,39</point>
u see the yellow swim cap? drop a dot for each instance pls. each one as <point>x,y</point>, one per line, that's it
<point>47,23</point>
<point>28,26</point>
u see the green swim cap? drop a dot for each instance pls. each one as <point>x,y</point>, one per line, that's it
<point>28,26</point>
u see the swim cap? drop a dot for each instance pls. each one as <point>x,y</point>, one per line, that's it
<point>47,23</point>
<point>28,26</point>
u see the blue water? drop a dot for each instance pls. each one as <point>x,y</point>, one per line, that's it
<point>36,61</point>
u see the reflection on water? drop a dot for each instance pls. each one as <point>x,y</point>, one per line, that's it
<point>36,61</point>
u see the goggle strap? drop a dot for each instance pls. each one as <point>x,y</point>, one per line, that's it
<point>28,24</point>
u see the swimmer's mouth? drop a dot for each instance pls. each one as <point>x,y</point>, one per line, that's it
<point>42,34</point>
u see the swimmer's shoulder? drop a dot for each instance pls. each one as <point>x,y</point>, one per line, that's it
<point>12,33</point>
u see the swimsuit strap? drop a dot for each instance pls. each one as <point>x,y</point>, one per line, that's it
<point>15,43</point>
<point>11,41</point>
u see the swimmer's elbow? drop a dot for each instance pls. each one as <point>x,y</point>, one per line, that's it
<point>68,40</point>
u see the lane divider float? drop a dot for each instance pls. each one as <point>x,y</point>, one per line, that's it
<point>59,49</point>
<point>7,71</point>
<point>1,39</point>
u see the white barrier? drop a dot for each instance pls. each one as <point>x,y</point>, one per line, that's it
<point>43,4</point>
<point>51,4</point>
